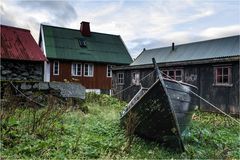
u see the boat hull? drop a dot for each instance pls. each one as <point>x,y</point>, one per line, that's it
<point>163,113</point>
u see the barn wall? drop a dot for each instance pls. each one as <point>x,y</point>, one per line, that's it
<point>21,70</point>
<point>98,81</point>
<point>202,76</point>
<point>225,98</point>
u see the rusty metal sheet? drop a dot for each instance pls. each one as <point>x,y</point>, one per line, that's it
<point>18,44</point>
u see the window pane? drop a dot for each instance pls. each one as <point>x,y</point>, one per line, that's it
<point>55,67</point>
<point>165,73</point>
<point>219,79</point>
<point>171,74</point>
<point>79,68</point>
<point>225,79</point>
<point>90,69</point>
<point>225,71</point>
<point>178,78</point>
<point>86,69</point>
<point>109,71</point>
<point>178,73</point>
<point>219,71</point>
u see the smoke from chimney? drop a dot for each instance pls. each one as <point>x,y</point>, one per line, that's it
<point>85,28</point>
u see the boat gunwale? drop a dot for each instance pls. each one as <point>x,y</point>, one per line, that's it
<point>182,83</point>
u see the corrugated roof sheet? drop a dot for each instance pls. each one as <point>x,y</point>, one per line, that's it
<point>18,44</point>
<point>215,48</point>
<point>63,43</point>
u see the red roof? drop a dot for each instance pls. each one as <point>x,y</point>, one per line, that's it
<point>18,44</point>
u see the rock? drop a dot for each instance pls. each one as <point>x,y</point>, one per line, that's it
<point>25,86</point>
<point>38,73</point>
<point>73,90</point>
<point>25,74</point>
<point>3,77</point>
<point>15,78</point>
<point>14,75</point>
<point>28,93</point>
<point>35,77</point>
<point>43,86</point>
<point>2,67</point>
<point>5,72</point>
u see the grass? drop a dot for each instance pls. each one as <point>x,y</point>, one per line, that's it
<point>98,134</point>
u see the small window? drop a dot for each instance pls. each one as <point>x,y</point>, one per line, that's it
<point>223,75</point>
<point>120,78</point>
<point>76,69</point>
<point>176,74</point>
<point>88,70</point>
<point>56,68</point>
<point>136,78</point>
<point>109,70</point>
<point>82,42</point>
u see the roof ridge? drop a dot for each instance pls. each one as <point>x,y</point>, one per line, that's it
<point>193,42</point>
<point>77,29</point>
<point>23,29</point>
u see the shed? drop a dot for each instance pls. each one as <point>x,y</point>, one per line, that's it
<point>211,65</point>
<point>21,57</point>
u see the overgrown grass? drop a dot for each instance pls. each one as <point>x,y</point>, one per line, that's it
<point>97,134</point>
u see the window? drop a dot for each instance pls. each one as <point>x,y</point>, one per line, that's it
<point>109,70</point>
<point>82,42</point>
<point>120,78</point>
<point>176,74</point>
<point>56,68</point>
<point>88,70</point>
<point>136,78</point>
<point>223,75</point>
<point>76,69</point>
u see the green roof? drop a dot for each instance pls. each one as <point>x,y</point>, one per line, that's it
<point>209,49</point>
<point>63,43</point>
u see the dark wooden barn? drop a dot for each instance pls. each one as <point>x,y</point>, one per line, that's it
<point>21,57</point>
<point>212,66</point>
<point>79,55</point>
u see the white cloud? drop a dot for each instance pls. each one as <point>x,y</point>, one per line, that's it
<point>215,32</point>
<point>141,24</point>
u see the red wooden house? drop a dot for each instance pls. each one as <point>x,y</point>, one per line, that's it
<point>82,56</point>
<point>21,57</point>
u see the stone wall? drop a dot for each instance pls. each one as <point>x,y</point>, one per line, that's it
<point>21,70</point>
<point>59,89</point>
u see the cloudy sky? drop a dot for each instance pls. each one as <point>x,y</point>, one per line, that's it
<point>141,24</point>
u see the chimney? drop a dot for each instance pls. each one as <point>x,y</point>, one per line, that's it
<point>173,46</point>
<point>85,28</point>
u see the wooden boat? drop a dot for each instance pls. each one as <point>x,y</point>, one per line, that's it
<point>162,111</point>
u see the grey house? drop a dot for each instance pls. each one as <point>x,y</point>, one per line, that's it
<point>212,66</point>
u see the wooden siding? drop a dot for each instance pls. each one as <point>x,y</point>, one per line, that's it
<point>201,75</point>
<point>98,81</point>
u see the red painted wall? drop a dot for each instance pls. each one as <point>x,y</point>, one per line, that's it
<point>98,81</point>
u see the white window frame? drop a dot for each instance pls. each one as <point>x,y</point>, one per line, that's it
<point>88,75</point>
<point>74,70</point>
<point>120,81</point>
<point>136,78</point>
<point>175,74</point>
<point>222,75</point>
<point>109,68</point>
<point>58,68</point>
